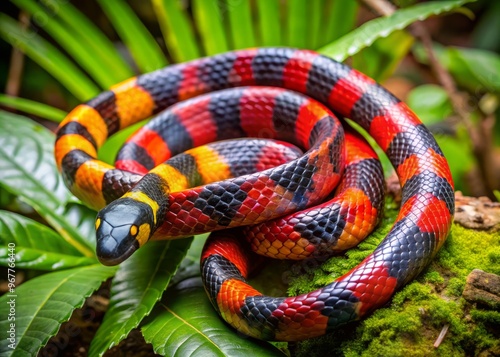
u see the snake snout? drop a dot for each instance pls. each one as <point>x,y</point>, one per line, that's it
<point>114,244</point>
<point>121,228</point>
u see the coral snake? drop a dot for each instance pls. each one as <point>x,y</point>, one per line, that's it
<point>279,93</point>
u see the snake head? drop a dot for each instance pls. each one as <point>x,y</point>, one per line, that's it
<point>121,227</point>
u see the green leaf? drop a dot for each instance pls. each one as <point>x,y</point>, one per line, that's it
<point>37,246</point>
<point>430,102</point>
<point>137,286</point>
<point>370,31</point>
<point>89,34</point>
<point>315,24</point>
<point>27,164</point>
<point>143,47</point>
<point>208,17</point>
<point>339,19</point>
<point>194,253</point>
<point>477,70</point>
<point>31,107</point>
<point>77,215</point>
<point>38,259</point>
<point>190,265</point>
<point>10,202</point>
<point>497,194</point>
<point>69,41</point>
<point>177,30</point>
<point>240,20</point>
<point>84,243</point>
<point>48,57</point>
<point>42,304</point>
<point>27,233</point>
<point>380,60</point>
<point>27,169</point>
<point>439,50</point>
<point>296,27</point>
<point>186,324</point>
<point>269,22</point>
<point>486,32</point>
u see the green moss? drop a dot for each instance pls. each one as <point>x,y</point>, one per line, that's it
<point>434,277</point>
<point>414,292</point>
<point>417,313</point>
<point>494,256</point>
<point>455,286</point>
<point>467,249</point>
<point>489,317</point>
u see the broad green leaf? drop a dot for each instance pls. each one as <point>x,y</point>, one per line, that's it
<point>38,259</point>
<point>89,34</point>
<point>10,202</point>
<point>240,20</point>
<point>48,57</point>
<point>438,49</point>
<point>139,283</point>
<point>141,44</point>
<point>379,61</point>
<point>190,265</point>
<point>69,41</point>
<point>208,16</point>
<point>194,252</point>
<point>186,324</point>
<point>486,32</point>
<point>477,70</point>
<point>42,304</point>
<point>78,215</point>
<point>296,26</point>
<point>41,242</point>
<point>430,102</point>
<point>37,246</point>
<point>370,31</point>
<point>27,164</point>
<point>27,169</point>
<point>31,107</point>
<point>339,19</point>
<point>177,30</point>
<point>84,243</point>
<point>268,12</point>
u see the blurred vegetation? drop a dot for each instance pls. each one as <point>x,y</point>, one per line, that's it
<point>58,53</point>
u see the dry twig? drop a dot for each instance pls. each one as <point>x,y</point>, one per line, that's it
<point>13,84</point>
<point>441,336</point>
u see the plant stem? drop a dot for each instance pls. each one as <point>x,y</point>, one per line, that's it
<point>16,62</point>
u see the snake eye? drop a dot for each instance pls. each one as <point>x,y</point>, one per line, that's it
<point>97,223</point>
<point>133,230</point>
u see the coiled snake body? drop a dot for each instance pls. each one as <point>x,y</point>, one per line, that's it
<point>296,92</point>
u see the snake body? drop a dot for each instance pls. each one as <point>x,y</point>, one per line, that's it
<point>157,203</point>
